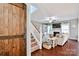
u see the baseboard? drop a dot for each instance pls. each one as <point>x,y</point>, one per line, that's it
<point>73,39</point>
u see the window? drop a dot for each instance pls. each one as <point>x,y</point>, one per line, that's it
<point>49,29</point>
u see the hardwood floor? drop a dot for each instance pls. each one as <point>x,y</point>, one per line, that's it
<point>69,49</point>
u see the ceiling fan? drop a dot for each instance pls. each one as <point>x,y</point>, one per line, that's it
<point>52,19</point>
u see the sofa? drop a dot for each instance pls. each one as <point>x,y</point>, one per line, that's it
<point>62,39</point>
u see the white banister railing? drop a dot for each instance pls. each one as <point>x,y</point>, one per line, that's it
<point>38,42</point>
<point>37,26</point>
<point>35,32</point>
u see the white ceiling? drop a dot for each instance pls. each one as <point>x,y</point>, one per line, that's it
<point>64,11</point>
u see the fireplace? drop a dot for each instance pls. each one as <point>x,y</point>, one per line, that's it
<point>56,33</point>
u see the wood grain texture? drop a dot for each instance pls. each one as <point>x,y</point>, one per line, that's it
<point>20,5</point>
<point>12,23</point>
<point>69,49</point>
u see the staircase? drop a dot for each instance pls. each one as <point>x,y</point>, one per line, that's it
<point>35,38</point>
<point>34,45</point>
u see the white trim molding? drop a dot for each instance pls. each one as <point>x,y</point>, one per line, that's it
<point>41,36</point>
<point>28,33</point>
<point>78,28</point>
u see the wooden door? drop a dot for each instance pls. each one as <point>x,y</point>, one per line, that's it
<point>12,29</point>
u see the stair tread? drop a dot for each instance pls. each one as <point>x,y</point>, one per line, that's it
<point>34,44</point>
<point>35,48</point>
<point>32,40</point>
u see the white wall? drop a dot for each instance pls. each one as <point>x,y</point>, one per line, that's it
<point>65,27</point>
<point>74,29</point>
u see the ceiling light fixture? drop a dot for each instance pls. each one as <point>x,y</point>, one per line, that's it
<point>51,19</point>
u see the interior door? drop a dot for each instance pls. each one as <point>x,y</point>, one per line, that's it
<point>12,29</point>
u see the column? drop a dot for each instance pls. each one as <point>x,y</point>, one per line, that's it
<point>78,28</point>
<point>41,36</point>
<point>28,36</point>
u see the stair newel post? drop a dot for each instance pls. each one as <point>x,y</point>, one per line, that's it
<point>41,36</point>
